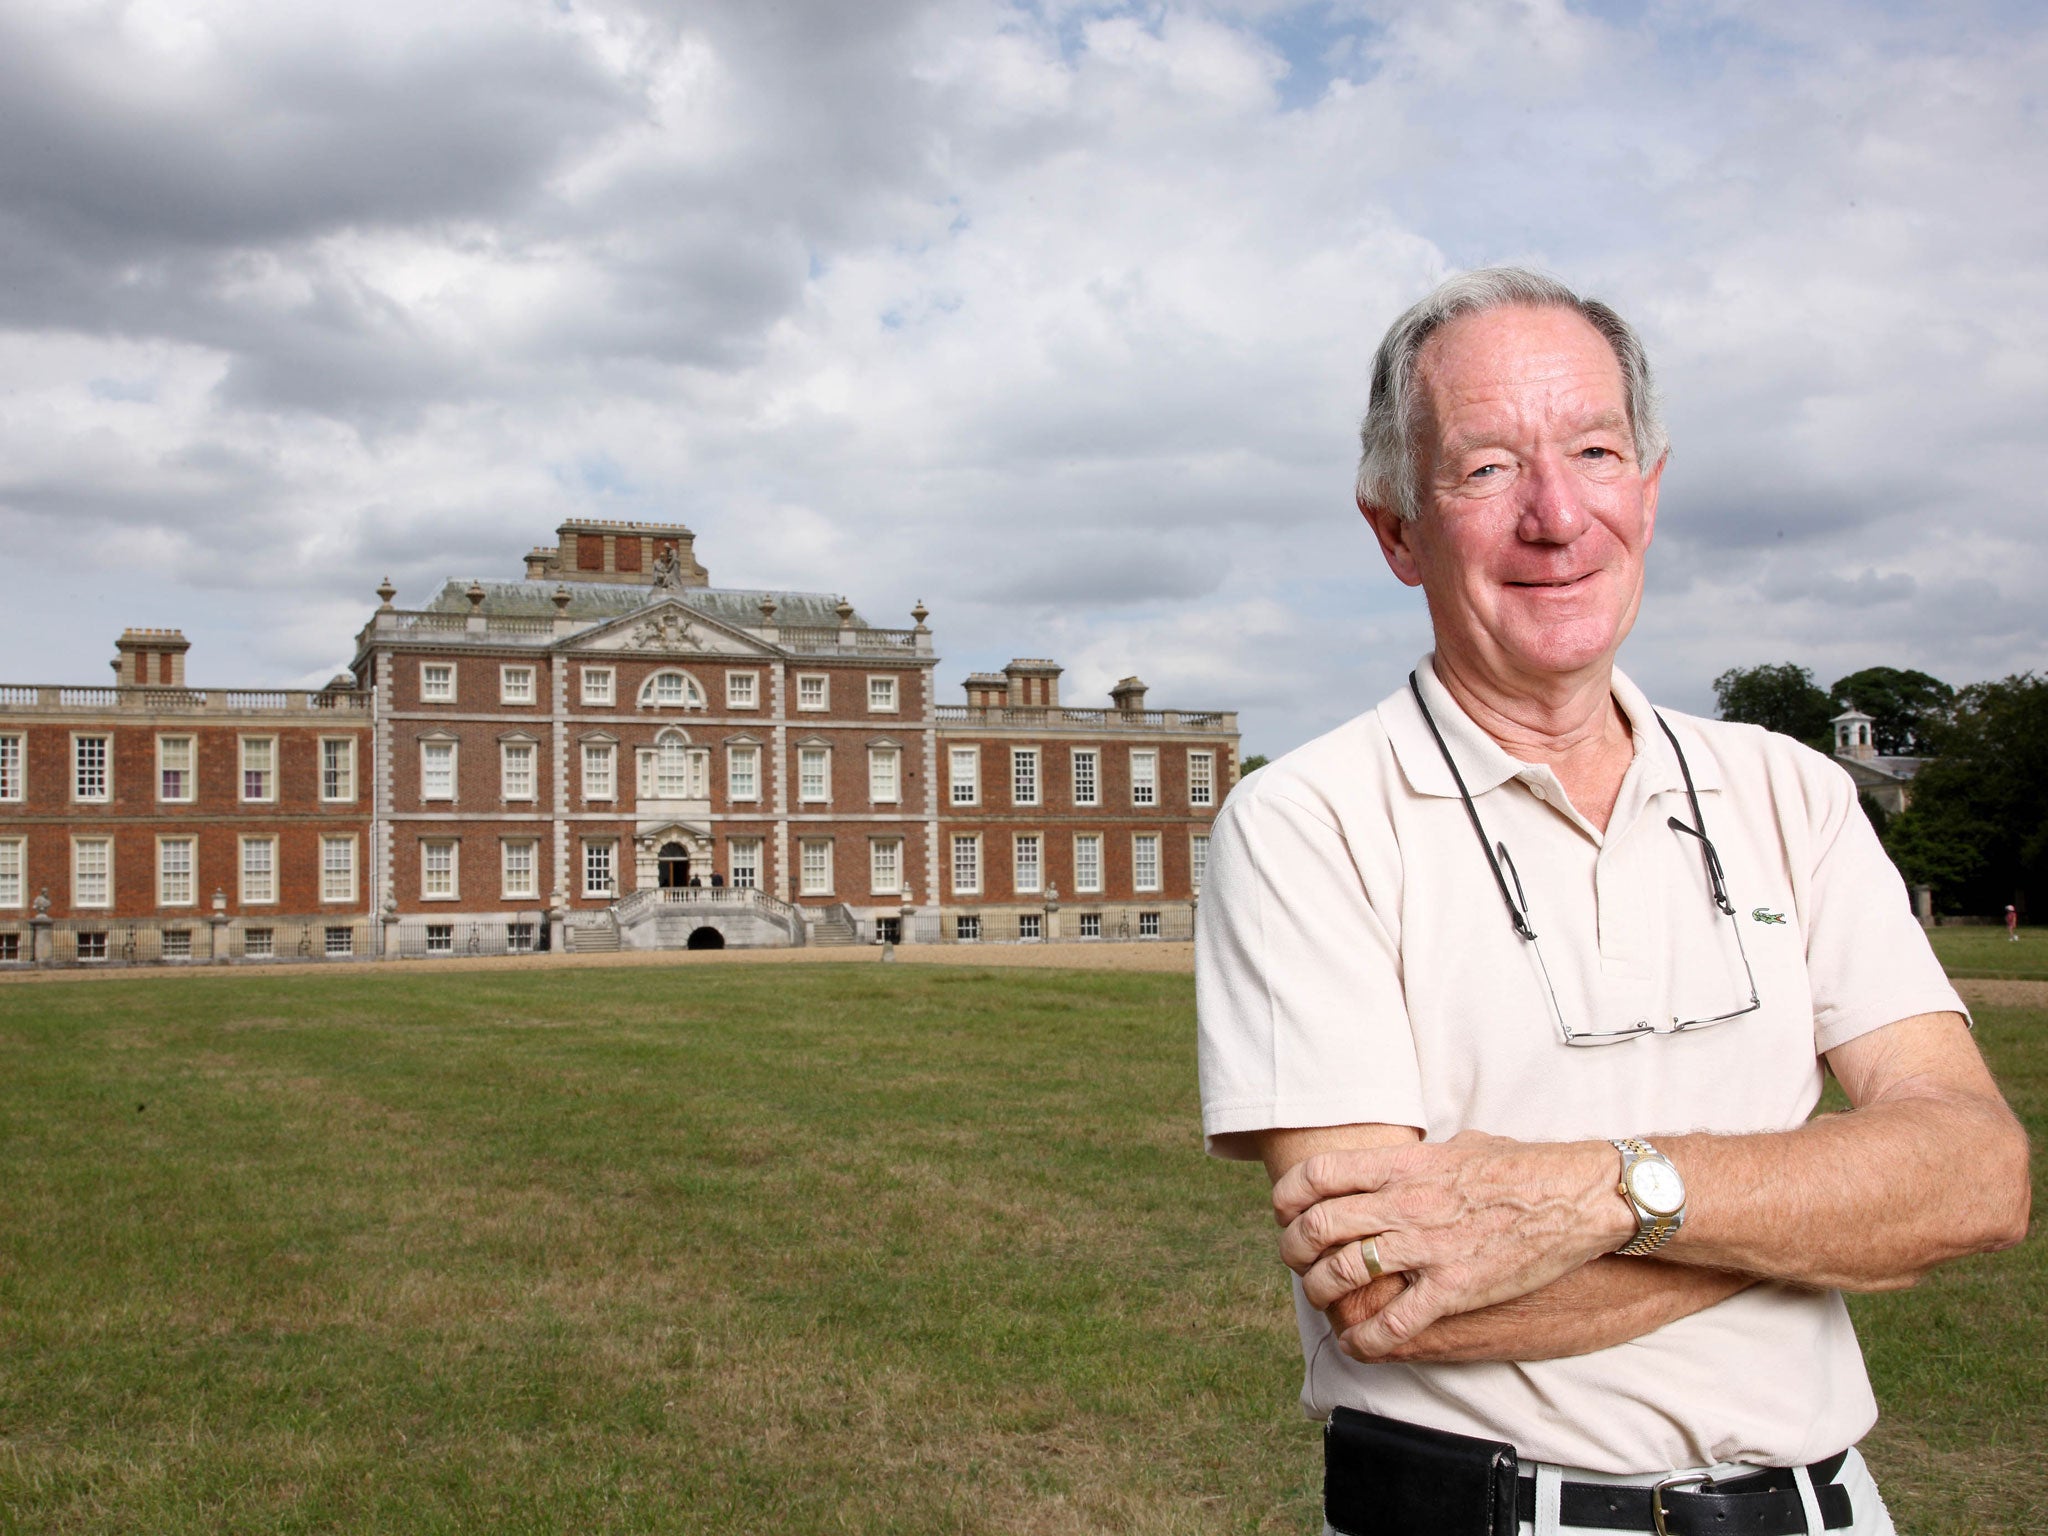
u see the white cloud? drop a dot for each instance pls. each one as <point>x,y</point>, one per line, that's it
<point>1057,318</point>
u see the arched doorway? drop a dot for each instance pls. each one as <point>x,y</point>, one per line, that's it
<point>706,938</point>
<point>675,866</point>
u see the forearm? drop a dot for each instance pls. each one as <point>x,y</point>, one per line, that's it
<point>1868,1200</point>
<point>1607,1302</point>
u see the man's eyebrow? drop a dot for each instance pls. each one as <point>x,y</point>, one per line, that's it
<point>1605,421</point>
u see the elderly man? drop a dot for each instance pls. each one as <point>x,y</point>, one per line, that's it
<point>1522,990</point>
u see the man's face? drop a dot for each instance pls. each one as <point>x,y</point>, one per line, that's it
<point>1535,513</point>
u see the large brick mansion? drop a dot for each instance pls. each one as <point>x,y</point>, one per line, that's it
<point>610,751</point>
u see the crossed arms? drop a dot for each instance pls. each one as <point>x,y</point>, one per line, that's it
<point>1498,1249</point>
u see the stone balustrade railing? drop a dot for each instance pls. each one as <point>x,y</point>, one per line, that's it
<point>56,698</point>
<point>1035,717</point>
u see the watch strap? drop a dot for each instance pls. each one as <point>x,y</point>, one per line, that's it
<point>1652,1230</point>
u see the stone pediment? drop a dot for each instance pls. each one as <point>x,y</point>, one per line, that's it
<point>669,629</point>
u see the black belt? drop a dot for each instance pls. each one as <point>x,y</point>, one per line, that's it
<point>1384,1477</point>
<point>1764,1503</point>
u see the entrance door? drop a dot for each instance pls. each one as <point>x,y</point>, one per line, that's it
<point>675,866</point>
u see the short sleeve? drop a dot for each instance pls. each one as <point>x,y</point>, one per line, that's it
<point>1297,980</point>
<point>1866,954</point>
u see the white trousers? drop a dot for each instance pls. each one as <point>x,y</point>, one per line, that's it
<point>1871,1517</point>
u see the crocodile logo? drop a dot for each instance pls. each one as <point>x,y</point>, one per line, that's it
<point>1766,915</point>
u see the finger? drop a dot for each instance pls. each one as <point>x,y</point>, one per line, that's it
<point>1355,1307</point>
<point>1331,1224</point>
<point>1325,1175</point>
<point>1347,1269</point>
<point>1396,1323</point>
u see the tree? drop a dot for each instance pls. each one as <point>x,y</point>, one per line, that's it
<point>1251,764</point>
<point>1905,708</point>
<point>1977,827</point>
<point>1780,698</point>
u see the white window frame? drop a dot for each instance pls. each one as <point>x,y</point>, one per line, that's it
<point>453,848</point>
<point>1030,925</point>
<point>885,774</point>
<point>742,690</point>
<point>246,893</point>
<point>955,783</point>
<point>741,786</point>
<point>18,874</point>
<point>822,756</point>
<point>332,893</point>
<point>507,751</point>
<point>609,848</point>
<point>883,694</point>
<point>13,766</point>
<point>164,894</point>
<point>1093,757</point>
<point>692,691</point>
<point>1035,841</point>
<point>602,784</point>
<point>453,749</point>
<point>345,775</point>
<point>824,692</point>
<point>745,855</point>
<point>191,769</point>
<point>599,686</point>
<point>243,770</point>
<point>1203,781</point>
<point>1145,786</point>
<point>807,883</point>
<point>968,843</point>
<point>437,690</point>
<point>106,790</point>
<point>510,690</point>
<point>508,886</point>
<point>1083,883</point>
<point>1140,840</point>
<point>1027,776</point>
<point>1090,926</point>
<point>1198,860</point>
<point>885,866</point>
<point>675,769</point>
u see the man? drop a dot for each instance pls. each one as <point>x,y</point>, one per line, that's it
<point>2012,924</point>
<point>1521,990</point>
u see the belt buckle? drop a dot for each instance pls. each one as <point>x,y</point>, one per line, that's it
<point>1689,1480</point>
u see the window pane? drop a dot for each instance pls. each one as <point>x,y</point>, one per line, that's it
<point>174,871</point>
<point>1145,861</point>
<point>966,775</point>
<point>1024,775</point>
<point>817,867</point>
<point>1198,859</point>
<point>519,869</point>
<point>1201,778</point>
<point>1144,778</point>
<point>437,770</point>
<point>597,773</point>
<point>671,769</point>
<point>437,869</point>
<point>966,864</point>
<point>12,862</point>
<point>811,773</point>
<point>882,765</point>
<point>90,764</point>
<point>518,771</point>
<point>259,869</point>
<point>10,768</point>
<point>597,869</point>
<point>1029,877</point>
<point>885,867</point>
<point>745,854</point>
<point>337,770</point>
<point>1084,778</point>
<point>1088,862</point>
<point>259,756</point>
<point>337,868</point>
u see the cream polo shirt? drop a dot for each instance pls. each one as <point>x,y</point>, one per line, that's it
<point>1354,963</point>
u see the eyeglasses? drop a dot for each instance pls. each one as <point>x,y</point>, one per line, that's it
<point>1517,903</point>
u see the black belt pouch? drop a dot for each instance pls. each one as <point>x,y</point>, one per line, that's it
<point>1383,1477</point>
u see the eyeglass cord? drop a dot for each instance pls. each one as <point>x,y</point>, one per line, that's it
<point>1516,912</point>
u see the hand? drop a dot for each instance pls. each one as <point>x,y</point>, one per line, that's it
<point>1469,1223</point>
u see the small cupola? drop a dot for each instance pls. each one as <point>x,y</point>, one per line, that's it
<point>1853,739</point>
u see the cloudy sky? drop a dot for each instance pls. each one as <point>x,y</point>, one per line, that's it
<point>1055,316</point>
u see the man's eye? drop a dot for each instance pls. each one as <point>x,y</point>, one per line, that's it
<point>1485,470</point>
<point>1598,453</point>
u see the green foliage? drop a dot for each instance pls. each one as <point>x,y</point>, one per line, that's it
<point>1977,828</point>
<point>1781,697</point>
<point>1252,764</point>
<point>1906,708</point>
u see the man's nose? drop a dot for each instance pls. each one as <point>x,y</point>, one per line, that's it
<point>1551,512</point>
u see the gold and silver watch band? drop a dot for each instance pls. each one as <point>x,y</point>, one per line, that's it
<point>1653,1228</point>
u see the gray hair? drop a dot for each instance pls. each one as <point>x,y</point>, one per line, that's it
<point>1386,464</point>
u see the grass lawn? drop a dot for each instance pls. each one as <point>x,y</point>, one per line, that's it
<point>1987,952</point>
<point>819,1248</point>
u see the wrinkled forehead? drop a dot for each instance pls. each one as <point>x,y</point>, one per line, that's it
<point>1515,350</point>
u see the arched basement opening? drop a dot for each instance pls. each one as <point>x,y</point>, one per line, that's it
<point>706,938</point>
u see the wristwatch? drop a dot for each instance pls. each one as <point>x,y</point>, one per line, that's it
<point>1653,1190</point>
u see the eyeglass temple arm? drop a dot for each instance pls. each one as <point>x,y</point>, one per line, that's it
<point>1515,913</point>
<point>1699,829</point>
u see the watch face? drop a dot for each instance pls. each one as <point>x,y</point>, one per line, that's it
<point>1657,1187</point>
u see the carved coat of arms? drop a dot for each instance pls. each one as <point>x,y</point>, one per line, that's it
<point>670,632</point>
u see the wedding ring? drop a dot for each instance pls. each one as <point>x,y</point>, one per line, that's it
<point>1370,1248</point>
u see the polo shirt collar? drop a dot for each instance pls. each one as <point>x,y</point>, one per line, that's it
<point>1486,765</point>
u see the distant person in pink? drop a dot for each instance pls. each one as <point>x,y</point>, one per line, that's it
<point>2012,924</point>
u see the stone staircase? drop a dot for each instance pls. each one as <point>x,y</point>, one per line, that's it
<point>594,940</point>
<point>832,928</point>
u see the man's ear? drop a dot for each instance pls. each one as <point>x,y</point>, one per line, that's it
<point>1394,534</point>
